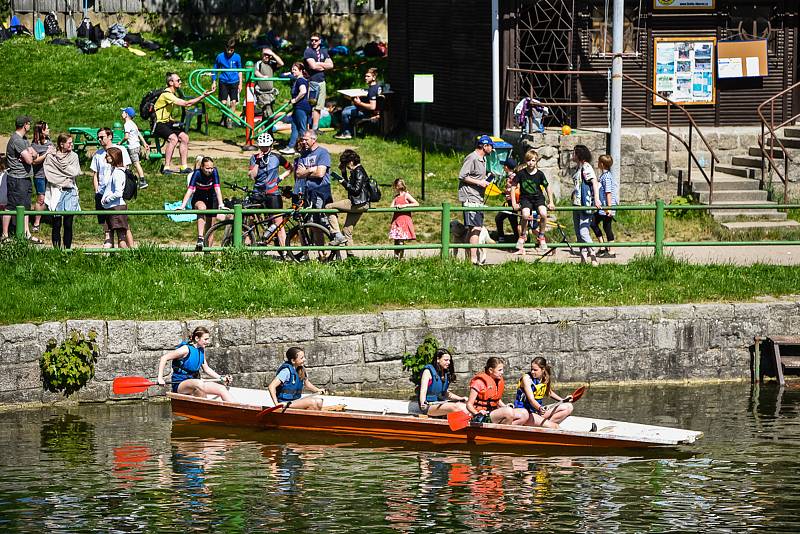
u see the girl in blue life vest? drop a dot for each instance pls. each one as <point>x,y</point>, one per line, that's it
<point>533,387</point>
<point>435,397</point>
<point>188,359</point>
<point>287,386</point>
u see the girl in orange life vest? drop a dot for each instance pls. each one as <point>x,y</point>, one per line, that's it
<point>434,387</point>
<point>532,389</point>
<point>486,396</point>
<point>188,359</point>
<point>290,379</point>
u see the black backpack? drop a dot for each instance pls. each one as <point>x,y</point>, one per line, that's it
<point>373,190</point>
<point>147,107</point>
<point>51,25</point>
<point>131,188</point>
<point>85,29</point>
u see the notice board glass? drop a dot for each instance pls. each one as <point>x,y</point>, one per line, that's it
<point>683,70</point>
<point>742,59</point>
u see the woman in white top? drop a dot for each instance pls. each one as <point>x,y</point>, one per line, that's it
<point>61,170</point>
<point>111,199</point>
<point>585,193</point>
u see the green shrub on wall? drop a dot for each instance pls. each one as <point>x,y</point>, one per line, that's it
<point>68,366</point>
<point>423,356</point>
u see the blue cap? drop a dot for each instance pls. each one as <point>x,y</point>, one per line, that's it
<point>129,110</point>
<point>485,140</point>
<point>510,163</point>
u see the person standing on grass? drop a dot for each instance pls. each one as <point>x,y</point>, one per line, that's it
<point>168,128</point>
<point>361,108</point>
<point>586,193</point>
<point>609,196</point>
<point>61,169</point>
<point>101,171</point>
<point>312,174</point>
<point>265,90</point>
<point>535,198</point>
<point>3,187</point>
<point>188,360</point>
<point>135,143</point>
<point>111,199</point>
<point>300,110</point>
<point>317,61</point>
<point>19,158</point>
<point>356,203</point>
<point>230,83</point>
<point>205,194</point>
<point>42,145</point>
<point>402,227</point>
<point>472,184</point>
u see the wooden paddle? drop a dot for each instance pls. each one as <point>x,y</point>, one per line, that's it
<point>128,385</point>
<point>577,394</point>
<point>285,407</point>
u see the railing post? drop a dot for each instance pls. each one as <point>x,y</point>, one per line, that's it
<point>237,226</point>
<point>659,230</point>
<point>445,254</point>
<point>20,222</point>
<point>689,157</point>
<point>668,163</point>
<point>763,145</point>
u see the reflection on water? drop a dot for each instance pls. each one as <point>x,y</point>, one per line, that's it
<point>131,468</point>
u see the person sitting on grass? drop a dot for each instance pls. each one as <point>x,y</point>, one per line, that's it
<point>531,391</point>
<point>290,379</point>
<point>435,398</point>
<point>188,359</point>
<point>205,194</point>
<point>366,107</point>
<point>536,197</point>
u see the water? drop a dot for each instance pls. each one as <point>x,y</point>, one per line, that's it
<point>132,468</point>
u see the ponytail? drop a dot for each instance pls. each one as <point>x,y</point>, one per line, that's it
<point>547,372</point>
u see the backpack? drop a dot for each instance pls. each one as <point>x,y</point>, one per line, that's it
<point>85,29</point>
<point>131,188</point>
<point>51,25</point>
<point>373,190</point>
<point>86,46</point>
<point>147,107</point>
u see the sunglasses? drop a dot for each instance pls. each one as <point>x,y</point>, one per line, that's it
<point>314,40</point>
<point>102,137</point>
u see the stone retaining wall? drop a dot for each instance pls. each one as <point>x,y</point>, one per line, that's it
<point>362,352</point>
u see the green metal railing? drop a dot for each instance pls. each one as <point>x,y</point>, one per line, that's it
<point>446,246</point>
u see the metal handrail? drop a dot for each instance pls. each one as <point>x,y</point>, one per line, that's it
<point>773,136</point>
<point>667,130</point>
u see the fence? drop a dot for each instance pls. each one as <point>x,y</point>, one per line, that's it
<point>445,246</point>
<point>212,7</point>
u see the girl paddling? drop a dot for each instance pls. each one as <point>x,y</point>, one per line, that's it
<point>533,387</point>
<point>435,398</point>
<point>188,359</point>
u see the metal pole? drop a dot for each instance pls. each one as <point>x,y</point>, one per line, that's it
<point>495,68</point>
<point>615,143</point>
<point>237,226</point>
<point>659,230</point>
<point>445,230</point>
<point>422,142</point>
<point>20,222</point>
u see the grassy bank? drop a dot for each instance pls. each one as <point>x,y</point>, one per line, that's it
<point>151,283</point>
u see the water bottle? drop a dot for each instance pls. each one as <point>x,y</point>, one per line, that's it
<point>271,229</point>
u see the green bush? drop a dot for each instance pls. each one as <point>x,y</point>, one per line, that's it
<point>423,356</point>
<point>68,366</point>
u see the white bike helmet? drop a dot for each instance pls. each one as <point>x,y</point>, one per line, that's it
<point>265,139</point>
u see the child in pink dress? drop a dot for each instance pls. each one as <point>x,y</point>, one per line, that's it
<point>402,228</point>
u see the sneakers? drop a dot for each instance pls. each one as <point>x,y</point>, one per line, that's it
<point>338,239</point>
<point>185,170</point>
<point>343,135</point>
<point>542,243</point>
<point>35,228</point>
<point>199,245</point>
<point>143,184</point>
<point>287,151</point>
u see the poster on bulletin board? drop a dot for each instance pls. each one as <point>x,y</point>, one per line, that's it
<point>684,4</point>
<point>683,70</point>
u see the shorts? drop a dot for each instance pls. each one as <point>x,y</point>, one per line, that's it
<point>207,197</point>
<point>473,219</point>
<point>134,153</point>
<point>40,184</point>
<point>19,192</point>
<point>116,220</point>
<point>165,129</point>
<point>272,201</point>
<point>323,95</point>
<point>532,203</point>
<point>229,91</point>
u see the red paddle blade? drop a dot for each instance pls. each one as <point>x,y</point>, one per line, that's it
<point>126,385</point>
<point>578,393</point>
<point>268,410</point>
<point>458,420</point>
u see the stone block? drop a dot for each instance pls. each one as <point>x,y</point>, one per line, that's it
<point>549,338</point>
<point>734,333</point>
<point>253,381</point>
<point>22,396</point>
<point>23,352</point>
<point>615,335</point>
<point>665,335</point>
<point>339,352</point>
<point>569,366</point>
<point>713,311</point>
<point>548,152</point>
<point>385,346</point>
<point>321,376</point>
<point>399,319</point>
<point>502,316</point>
<point>20,376</point>
<point>390,371</point>
<point>627,313</point>
<point>19,333</point>
<point>560,315</point>
<point>284,330</point>
<point>87,326</point>
<point>480,340</point>
<point>693,336</point>
<point>247,359</point>
<point>48,331</point>
<point>474,317</point>
<point>140,363</point>
<point>235,332</point>
<point>93,392</point>
<point>599,314</point>
<point>158,335</point>
<point>348,325</point>
<point>354,374</point>
<point>677,311</point>
<point>121,337</point>
<point>444,318</point>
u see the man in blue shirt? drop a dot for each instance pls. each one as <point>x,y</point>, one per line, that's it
<point>230,83</point>
<point>362,107</point>
<point>312,175</point>
<point>317,61</point>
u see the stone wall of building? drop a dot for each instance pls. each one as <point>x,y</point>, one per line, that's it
<point>361,353</point>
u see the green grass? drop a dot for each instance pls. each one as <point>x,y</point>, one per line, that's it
<point>152,283</point>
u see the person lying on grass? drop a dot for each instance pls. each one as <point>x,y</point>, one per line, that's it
<point>188,359</point>
<point>290,379</point>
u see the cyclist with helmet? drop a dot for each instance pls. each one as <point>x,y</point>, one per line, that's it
<point>264,167</point>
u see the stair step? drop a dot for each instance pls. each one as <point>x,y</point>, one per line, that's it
<point>734,215</point>
<point>788,224</point>
<point>752,196</point>
<point>790,142</point>
<point>747,161</point>
<point>724,182</point>
<point>777,153</point>
<point>791,132</point>
<point>737,171</point>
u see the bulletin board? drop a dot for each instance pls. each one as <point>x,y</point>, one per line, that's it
<point>683,70</point>
<point>742,59</point>
<point>684,4</point>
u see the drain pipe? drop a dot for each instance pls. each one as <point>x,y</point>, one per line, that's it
<point>496,68</point>
<point>615,141</point>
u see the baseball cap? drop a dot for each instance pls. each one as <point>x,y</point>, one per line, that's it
<point>129,110</point>
<point>510,163</point>
<point>22,120</point>
<point>485,140</point>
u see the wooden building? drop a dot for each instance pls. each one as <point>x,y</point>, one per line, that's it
<point>452,40</point>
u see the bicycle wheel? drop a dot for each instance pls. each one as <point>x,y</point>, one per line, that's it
<point>221,235</point>
<point>264,235</point>
<point>310,234</point>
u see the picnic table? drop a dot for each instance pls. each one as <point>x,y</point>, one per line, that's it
<point>85,137</point>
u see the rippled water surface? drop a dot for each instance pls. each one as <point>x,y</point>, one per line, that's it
<point>132,468</point>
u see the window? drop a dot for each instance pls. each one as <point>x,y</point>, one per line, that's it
<point>601,27</point>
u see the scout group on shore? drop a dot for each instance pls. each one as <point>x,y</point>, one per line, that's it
<point>484,400</point>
